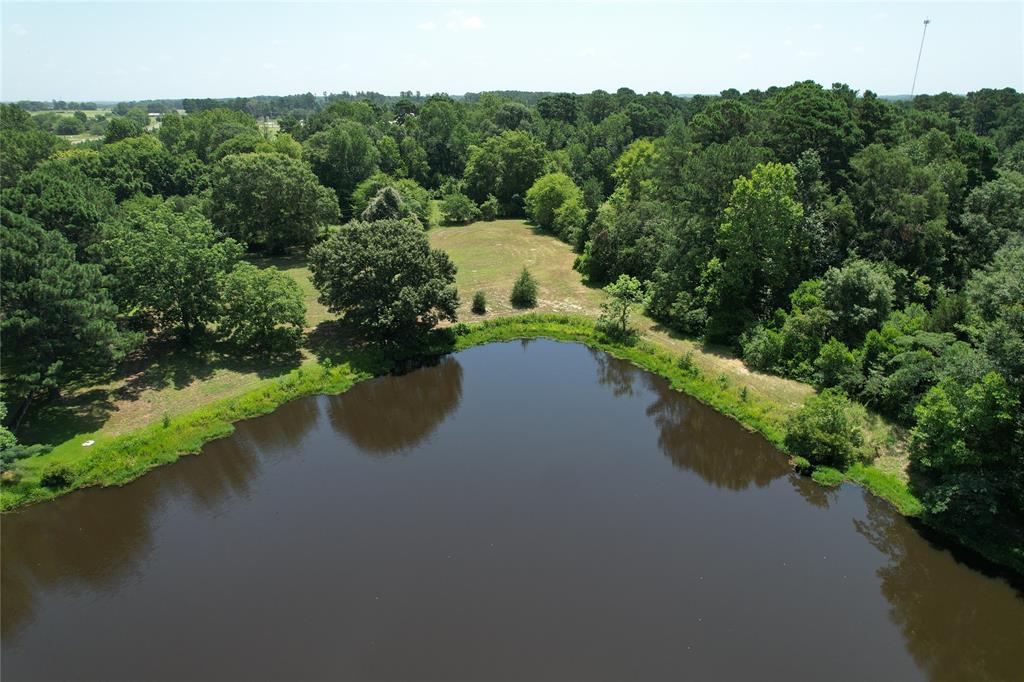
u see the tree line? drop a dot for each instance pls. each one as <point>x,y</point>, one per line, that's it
<point>872,248</point>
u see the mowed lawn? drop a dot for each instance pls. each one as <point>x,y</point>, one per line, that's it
<point>490,256</point>
<point>165,379</point>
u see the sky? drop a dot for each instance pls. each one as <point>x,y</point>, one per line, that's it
<point>91,51</point>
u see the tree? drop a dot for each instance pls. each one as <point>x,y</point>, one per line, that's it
<point>549,193</point>
<point>269,201</point>
<point>458,209</point>
<point>261,308</point>
<point>121,128</point>
<point>58,320</point>
<point>992,213</point>
<point>385,279</point>
<point>806,116</point>
<point>824,430</point>
<point>62,197</point>
<point>524,291</point>
<point>506,166</point>
<point>386,205</point>
<point>859,296</point>
<point>626,292</point>
<point>754,246</point>
<point>169,265</point>
<point>479,303</point>
<point>413,196</point>
<point>342,156</point>
<point>23,143</point>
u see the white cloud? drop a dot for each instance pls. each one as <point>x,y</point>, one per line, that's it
<point>787,42</point>
<point>859,49</point>
<point>586,52</point>
<point>880,15</point>
<point>807,54</point>
<point>460,21</point>
<point>816,27</point>
<point>426,26</point>
<point>19,30</point>
<point>743,57</point>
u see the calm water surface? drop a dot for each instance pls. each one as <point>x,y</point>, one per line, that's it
<point>518,511</point>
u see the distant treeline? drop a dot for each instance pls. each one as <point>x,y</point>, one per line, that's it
<point>56,105</point>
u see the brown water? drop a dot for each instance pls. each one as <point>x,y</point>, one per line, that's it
<point>518,511</point>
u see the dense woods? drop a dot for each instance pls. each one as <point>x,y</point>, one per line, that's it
<point>872,248</point>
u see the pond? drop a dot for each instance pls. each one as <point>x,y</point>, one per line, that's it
<point>525,510</point>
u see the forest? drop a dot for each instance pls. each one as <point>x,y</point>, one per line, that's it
<point>872,248</point>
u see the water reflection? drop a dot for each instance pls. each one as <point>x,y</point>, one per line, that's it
<point>693,436</point>
<point>934,628</point>
<point>395,413</point>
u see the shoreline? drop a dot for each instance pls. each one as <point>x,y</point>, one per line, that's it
<point>124,458</point>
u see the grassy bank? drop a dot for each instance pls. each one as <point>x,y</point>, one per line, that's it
<point>123,458</point>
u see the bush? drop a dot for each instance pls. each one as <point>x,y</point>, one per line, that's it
<point>547,194</point>
<point>838,366</point>
<point>827,476</point>
<point>460,329</point>
<point>489,209</point>
<point>524,291</point>
<point>458,209</point>
<point>686,363</point>
<point>825,430</point>
<point>56,475</point>
<point>802,466</point>
<point>479,303</point>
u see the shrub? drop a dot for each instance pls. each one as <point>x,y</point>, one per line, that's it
<point>570,219</point>
<point>824,430</point>
<point>458,209</point>
<point>686,363</point>
<point>56,475</point>
<point>625,293</point>
<point>489,209</point>
<point>827,476</point>
<point>479,303</point>
<point>524,291</point>
<point>460,329</point>
<point>802,466</point>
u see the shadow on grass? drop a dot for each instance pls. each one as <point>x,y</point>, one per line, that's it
<point>161,364</point>
<point>337,342</point>
<point>723,352</point>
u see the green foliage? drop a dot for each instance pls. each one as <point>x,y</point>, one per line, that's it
<point>761,219</point>
<point>824,430</point>
<point>524,291</point>
<point>342,156</point>
<point>549,193</point>
<point>859,296</point>
<point>56,475</point>
<point>414,198</point>
<point>625,294</point>
<point>479,306</point>
<point>489,208</point>
<point>686,364</point>
<point>387,204</point>
<point>58,319</point>
<point>506,166</point>
<point>827,476</point>
<point>385,280</point>
<point>261,309</point>
<point>837,365</point>
<point>269,202</point>
<point>121,128</point>
<point>169,265</point>
<point>458,209</point>
<point>23,143</point>
<point>60,196</point>
<point>802,465</point>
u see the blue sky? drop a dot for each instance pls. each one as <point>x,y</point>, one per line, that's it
<point>137,50</point>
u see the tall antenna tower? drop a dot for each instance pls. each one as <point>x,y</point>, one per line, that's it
<point>913,87</point>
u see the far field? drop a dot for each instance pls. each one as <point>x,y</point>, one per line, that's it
<point>164,380</point>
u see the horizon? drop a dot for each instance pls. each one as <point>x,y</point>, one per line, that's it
<point>116,52</point>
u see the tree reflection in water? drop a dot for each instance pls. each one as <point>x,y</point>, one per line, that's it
<point>952,637</point>
<point>395,413</point>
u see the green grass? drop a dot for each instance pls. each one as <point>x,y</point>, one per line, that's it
<point>212,386</point>
<point>121,459</point>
